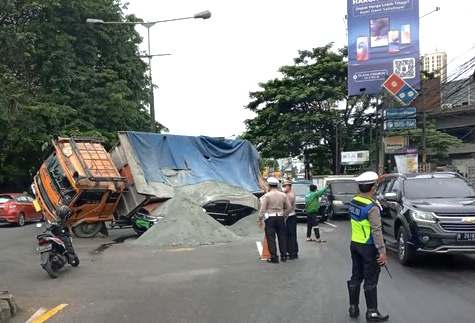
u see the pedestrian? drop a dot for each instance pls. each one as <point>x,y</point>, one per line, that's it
<point>275,207</point>
<point>291,223</point>
<point>368,251</point>
<point>312,204</point>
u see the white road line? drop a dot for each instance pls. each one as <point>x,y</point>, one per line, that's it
<point>259,247</point>
<point>331,224</point>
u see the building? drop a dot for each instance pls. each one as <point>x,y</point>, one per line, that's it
<point>435,63</point>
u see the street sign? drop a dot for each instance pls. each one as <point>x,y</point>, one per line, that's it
<point>401,113</point>
<point>400,124</point>
<point>402,91</point>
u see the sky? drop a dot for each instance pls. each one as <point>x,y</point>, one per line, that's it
<point>204,84</point>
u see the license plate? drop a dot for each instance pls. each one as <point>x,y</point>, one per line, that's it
<point>37,206</point>
<point>466,236</point>
<point>43,248</point>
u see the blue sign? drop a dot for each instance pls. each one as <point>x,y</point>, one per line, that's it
<point>400,124</point>
<point>383,38</point>
<point>400,113</point>
<point>406,94</point>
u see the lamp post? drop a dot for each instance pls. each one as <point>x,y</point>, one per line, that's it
<point>201,15</point>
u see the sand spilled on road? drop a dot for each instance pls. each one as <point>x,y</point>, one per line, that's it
<point>185,223</point>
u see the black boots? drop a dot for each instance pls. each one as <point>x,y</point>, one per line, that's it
<point>372,313</point>
<point>354,293</point>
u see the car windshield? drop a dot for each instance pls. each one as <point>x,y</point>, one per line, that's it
<point>300,189</point>
<point>428,188</point>
<point>344,187</point>
<point>5,198</point>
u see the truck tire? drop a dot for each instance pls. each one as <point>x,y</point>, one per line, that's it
<point>87,230</point>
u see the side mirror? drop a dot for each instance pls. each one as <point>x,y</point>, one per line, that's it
<point>391,196</point>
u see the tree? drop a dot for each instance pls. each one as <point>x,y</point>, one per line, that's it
<point>59,75</point>
<point>301,114</point>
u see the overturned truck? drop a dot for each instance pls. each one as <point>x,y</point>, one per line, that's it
<point>125,186</point>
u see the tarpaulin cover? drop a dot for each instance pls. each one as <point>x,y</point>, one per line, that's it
<point>186,160</point>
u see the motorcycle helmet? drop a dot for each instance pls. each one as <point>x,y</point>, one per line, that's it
<point>63,212</point>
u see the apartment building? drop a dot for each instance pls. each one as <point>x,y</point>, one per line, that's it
<point>435,63</point>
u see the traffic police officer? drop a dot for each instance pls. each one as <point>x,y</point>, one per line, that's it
<point>368,251</point>
<point>275,207</point>
<point>291,224</point>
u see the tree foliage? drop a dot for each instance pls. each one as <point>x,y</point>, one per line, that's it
<point>59,75</point>
<point>300,114</point>
<point>306,113</point>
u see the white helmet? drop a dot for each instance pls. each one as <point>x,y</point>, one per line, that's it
<point>272,181</point>
<point>367,178</point>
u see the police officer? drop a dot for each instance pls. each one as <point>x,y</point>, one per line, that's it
<point>368,251</point>
<point>275,207</point>
<point>291,223</point>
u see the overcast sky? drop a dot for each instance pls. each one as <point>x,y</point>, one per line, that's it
<point>205,83</point>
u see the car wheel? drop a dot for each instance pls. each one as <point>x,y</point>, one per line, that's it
<point>21,220</point>
<point>331,214</point>
<point>406,252</point>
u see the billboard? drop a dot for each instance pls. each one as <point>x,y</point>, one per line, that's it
<point>383,38</point>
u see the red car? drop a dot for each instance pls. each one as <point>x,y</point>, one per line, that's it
<point>18,208</point>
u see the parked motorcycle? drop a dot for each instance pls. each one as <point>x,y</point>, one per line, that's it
<point>56,249</point>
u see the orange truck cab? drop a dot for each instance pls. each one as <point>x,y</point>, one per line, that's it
<point>80,174</point>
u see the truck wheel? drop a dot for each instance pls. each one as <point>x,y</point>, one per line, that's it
<point>406,252</point>
<point>87,230</point>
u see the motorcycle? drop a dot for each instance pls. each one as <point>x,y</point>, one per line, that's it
<point>56,249</point>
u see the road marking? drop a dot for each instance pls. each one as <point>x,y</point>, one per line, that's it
<point>37,314</point>
<point>259,247</point>
<point>49,314</point>
<point>181,249</point>
<point>331,224</point>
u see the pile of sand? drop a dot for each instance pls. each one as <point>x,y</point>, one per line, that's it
<point>185,223</point>
<point>246,226</point>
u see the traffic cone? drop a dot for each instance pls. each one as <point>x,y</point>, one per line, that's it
<point>265,250</point>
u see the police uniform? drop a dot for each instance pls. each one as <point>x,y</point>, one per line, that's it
<point>275,207</point>
<point>366,244</point>
<point>291,223</point>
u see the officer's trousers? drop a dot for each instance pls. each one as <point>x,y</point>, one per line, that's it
<point>365,265</point>
<point>276,225</point>
<point>291,235</point>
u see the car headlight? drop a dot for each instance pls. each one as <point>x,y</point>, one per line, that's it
<point>337,202</point>
<point>423,216</point>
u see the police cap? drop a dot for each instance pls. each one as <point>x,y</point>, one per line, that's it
<point>367,178</point>
<point>287,182</point>
<point>272,181</point>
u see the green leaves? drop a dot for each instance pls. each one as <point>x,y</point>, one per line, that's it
<point>59,75</point>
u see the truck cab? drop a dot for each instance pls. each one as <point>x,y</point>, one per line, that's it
<point>79,173</point>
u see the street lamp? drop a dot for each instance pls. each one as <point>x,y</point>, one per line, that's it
<point>201,15</point>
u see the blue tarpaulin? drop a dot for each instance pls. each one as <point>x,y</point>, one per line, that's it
<point>195,159</point>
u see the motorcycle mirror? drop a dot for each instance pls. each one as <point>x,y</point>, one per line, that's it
<point>39,225</point>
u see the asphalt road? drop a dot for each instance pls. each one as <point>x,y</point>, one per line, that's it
<point>120,282</point>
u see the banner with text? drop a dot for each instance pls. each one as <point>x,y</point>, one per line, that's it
<point>383,38</point>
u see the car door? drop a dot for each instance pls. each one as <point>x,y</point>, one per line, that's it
<point>383,188</point>
<point>22,205</point>
<point>393,208</point>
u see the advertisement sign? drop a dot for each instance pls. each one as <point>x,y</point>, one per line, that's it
<point>394,144</point>
<point>406,163</point>
<point>400,124</point>
<point>401,113</point>
<point>354,157</point>
<point>383,38</point>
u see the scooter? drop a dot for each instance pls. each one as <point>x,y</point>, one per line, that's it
<point>56,249</point>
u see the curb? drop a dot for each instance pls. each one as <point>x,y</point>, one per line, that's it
<point>8,307</point>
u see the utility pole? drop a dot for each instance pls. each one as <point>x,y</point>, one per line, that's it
<point>424,143</point>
